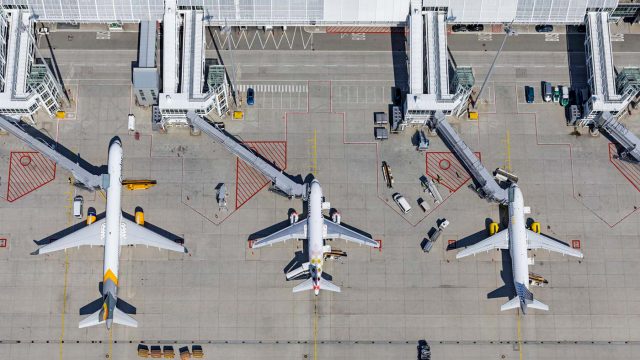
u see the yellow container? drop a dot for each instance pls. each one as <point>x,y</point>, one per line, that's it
<point>61,115</point>
<point>238,115</point>
<point>473,115</point>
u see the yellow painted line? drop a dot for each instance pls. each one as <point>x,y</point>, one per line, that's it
<point>110,343</point>
<point>315,328</point>
<point>508,164</point>
<point>101,192</point>
<point>519,335</point>
<point>66,270</point>
<point>64,300</point>
<point>314,153</point>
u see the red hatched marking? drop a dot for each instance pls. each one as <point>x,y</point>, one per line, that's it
<point>250,181</point>
<point>575,244</point>
<point>630,171</point>
<point>28,171</point>
<point>363,30</point>
<point>379,245</point>
<point>445,169</point>
<point>3,243</point>
<point>251,244</point>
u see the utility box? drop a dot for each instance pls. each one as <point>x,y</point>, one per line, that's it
<point>573,115</point>
<point>381,133</point>
<point>380,118</point>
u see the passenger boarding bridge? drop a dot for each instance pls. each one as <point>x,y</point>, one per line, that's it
<point>50,149</point>
<point>279,180</point>
<point>183,69</point>
<point>610,94</point>
<point>428,47</point>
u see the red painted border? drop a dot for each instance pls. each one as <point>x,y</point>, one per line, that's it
<point>37,187</point>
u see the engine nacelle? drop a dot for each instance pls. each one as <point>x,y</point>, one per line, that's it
<point>493,228</point>
<point>293,218</point>
<point>535,227</point>
<point>91,217</point>
<point>140,217</point>
<point>336,217</point>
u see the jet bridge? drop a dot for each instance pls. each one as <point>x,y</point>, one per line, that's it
<point>48,148</point>
<point>430,88</point>
<point>621,136</point>
<point>280,180</point>
<point>485,184</point>
<point>605,95</point>
<point>183,54</point>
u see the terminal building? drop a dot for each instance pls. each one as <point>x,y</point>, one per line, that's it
<point>188,82</point>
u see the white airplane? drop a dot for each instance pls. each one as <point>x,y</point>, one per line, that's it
<point>315,228</point>
<point>112,231</point>
<point>518,239</point>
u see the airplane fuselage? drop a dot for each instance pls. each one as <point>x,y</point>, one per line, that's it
<point>315,238</point>
<point>518,237</point>
<point>112,233</point>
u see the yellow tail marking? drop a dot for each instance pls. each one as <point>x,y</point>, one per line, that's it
<point>109,275</point>
<point>105,312</point>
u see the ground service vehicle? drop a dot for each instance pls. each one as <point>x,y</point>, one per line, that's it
<point>78,201</point>
<point>544,28</point>
<point>564,99</point>
<point>250,96</point>
<point>547,91</point>
<point>403,204</point>
<point>529,94</point>
<point>556,94</point>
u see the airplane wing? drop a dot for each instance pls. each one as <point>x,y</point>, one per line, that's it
<point>336,231</point>
<point>294,231</point>
<point>538,241</point>
<point>88,235</point>
<point>497,241</point>
<point>139,235</point>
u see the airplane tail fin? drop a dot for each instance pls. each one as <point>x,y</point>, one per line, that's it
<point>119,316</point>
<point>524,300</point>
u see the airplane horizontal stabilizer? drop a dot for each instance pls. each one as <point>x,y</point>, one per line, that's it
<point>511,304</point>
<point>328,285</point>
<point>120,317</point>
<point>538,305</point>
<point>306,285</point>
<point>91,320</point>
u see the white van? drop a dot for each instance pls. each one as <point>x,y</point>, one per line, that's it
<point>78,201</point>
<point>402,202</point>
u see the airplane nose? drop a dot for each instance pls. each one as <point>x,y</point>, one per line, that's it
<point>316,291</point>
<point>109,322</point>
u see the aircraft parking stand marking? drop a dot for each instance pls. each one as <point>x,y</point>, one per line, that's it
<point>250,181</point>
<point>28,171</point>
<point>630,171</point>
<point>446,170</point>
